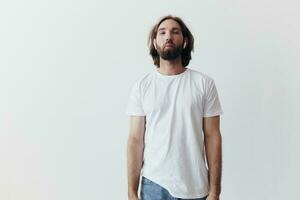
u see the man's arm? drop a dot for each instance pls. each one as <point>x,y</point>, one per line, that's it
<point>213,148</point>
<point>135,150</point>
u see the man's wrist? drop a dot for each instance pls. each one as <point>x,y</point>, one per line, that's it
<point>215,192</point>
<point>132,194</point>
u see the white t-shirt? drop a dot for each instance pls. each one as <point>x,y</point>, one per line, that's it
<point>174,106</point>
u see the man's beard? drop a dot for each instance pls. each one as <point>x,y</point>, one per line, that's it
<point>170,53</point>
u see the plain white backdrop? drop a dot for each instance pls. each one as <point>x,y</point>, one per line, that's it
<point>66,69</point>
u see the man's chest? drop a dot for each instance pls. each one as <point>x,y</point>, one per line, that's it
<point>182,98</point>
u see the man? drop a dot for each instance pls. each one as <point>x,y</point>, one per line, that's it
<point>174,123</point>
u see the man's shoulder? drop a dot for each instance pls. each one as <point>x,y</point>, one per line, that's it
<point>200,76</point>
<point>144,79</point>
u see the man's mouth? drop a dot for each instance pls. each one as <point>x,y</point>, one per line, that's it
<point>169,45</point>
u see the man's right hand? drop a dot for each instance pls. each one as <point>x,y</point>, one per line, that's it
<point>133,198</point>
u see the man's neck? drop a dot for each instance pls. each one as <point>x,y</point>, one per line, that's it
<point>173,67</point>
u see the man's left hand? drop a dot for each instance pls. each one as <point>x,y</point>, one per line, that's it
<point>212,197</point>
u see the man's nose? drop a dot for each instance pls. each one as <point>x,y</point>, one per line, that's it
<point>168,37</point>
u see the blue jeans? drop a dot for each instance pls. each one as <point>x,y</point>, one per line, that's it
<point>152,191</point>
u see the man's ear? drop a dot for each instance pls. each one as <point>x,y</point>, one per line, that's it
<point>185,42</point>
<point>154,43</point>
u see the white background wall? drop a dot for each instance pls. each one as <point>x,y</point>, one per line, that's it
<point>66,69</point>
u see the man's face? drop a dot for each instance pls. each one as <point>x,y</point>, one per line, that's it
<point>169,40</point>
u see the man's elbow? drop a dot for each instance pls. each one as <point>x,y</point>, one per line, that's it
<point>213,134</point>
<point>135,140</point>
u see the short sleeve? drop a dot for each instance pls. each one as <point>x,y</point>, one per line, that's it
<point>212,105</point>
<point>134,104</point>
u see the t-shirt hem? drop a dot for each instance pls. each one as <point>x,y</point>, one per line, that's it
<point>213,114</point>
<point>201,194</point>
<point>189,196</point>
<point>135,114</point>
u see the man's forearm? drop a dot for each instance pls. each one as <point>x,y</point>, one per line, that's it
<point>134,165</point>
<point>213,147</point>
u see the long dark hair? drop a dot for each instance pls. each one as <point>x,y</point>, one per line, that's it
<point>186,53</point>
